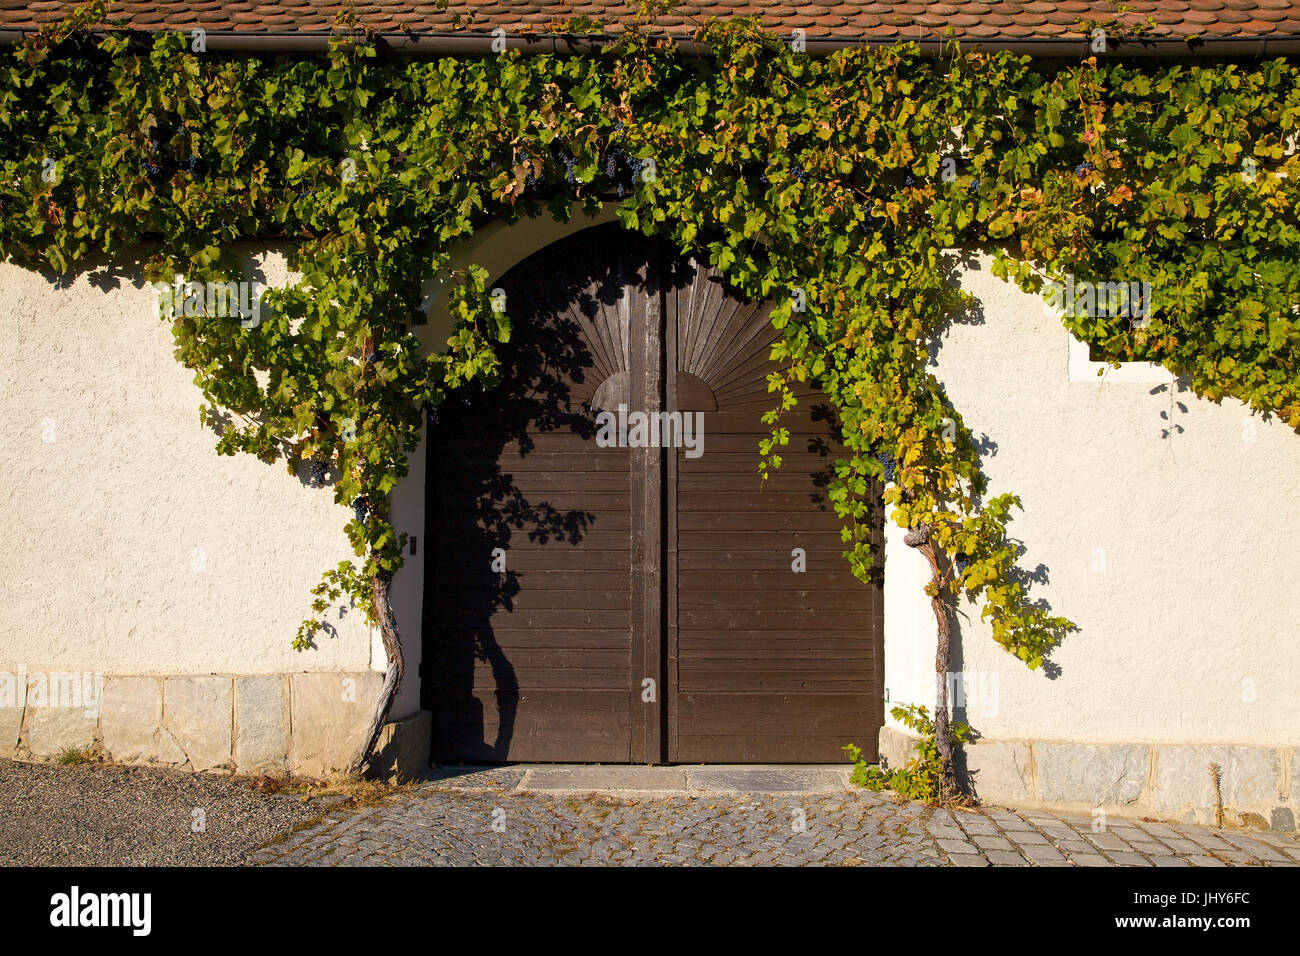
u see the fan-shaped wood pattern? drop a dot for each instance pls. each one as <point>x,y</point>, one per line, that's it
<point>721,339</point>
<point>587,289</point>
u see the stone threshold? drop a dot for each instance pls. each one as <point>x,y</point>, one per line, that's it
<point>633,780</point>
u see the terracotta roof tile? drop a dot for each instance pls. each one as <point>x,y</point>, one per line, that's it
<point>870,19</point>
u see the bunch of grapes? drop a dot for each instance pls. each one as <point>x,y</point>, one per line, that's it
<point>622,170</point>
<point>359,509</point>
<point>190,163</point>
<point>889,462</point>
<point>615,162</point>
<point>613,159</point>
<point>159,165</point>
<point>869,222</point>
<point>152,169</point>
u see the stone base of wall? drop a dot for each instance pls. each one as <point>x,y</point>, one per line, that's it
<point>1161,781</point>
<point>303,724</point>
<point>402,750</point>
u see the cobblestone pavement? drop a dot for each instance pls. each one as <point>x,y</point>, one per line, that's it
<point>485,818</point>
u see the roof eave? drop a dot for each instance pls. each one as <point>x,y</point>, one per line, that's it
<point>466,43</point>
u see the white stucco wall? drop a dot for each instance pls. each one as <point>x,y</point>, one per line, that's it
<point>130,546</point>
<point>1175,554</point>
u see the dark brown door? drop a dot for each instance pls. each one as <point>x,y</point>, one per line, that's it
<point>643,604</point>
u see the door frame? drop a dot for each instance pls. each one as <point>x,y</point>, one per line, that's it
<point>654,481</point>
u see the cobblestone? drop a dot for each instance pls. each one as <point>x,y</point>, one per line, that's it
<point>493,821</point>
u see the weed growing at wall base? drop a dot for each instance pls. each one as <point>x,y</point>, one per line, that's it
<point>921,778</point>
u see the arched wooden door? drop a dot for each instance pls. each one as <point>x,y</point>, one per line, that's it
<point>646,599</point>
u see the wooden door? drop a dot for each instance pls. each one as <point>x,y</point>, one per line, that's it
<point>772,644</point>
<point>651,605</point>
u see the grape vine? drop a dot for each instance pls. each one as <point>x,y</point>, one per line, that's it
<point>845,188</point>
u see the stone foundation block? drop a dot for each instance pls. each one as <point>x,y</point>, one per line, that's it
<point>261,725</point>
<point>132,714</point>
<point>197,714</point>
<point>52,730</point>
<point>61,713</point>
<point>897,747</point>
<point>998,771</point>
<point>330,712</point>
<point>1249,780</point>
<point>1101,775</point>
<point>402,751</point>
<point>13,700</point>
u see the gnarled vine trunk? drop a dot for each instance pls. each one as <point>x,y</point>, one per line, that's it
<point>380,586</point>
<point>919,538</point>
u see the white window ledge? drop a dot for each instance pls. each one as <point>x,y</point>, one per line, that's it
<point>1084,369</point>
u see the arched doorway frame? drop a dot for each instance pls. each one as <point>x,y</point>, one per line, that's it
<point>498,249</point>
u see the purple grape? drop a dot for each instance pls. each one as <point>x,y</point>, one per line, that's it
<point>889,463</point>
